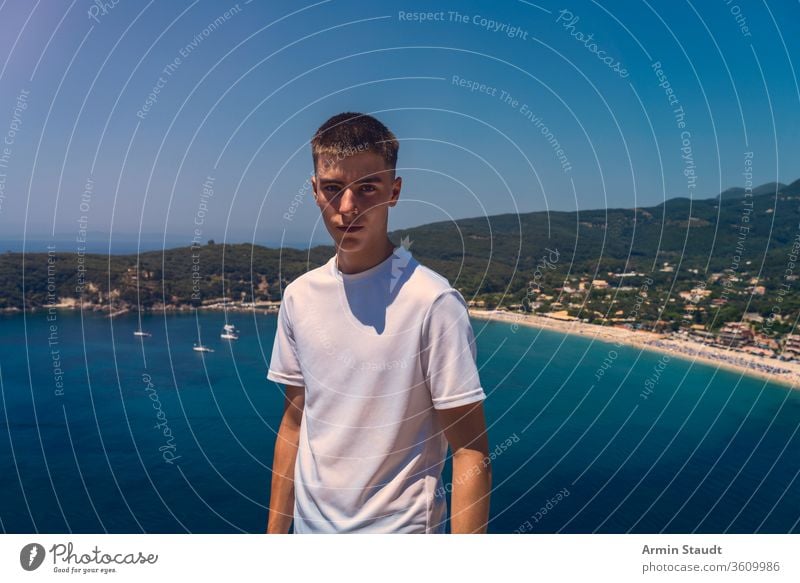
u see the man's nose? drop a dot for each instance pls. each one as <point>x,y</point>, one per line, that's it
<point>347,201</point>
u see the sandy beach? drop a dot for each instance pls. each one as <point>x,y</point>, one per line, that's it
<point>773,370</point>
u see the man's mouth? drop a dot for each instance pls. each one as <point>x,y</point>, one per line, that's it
<point>350,228</point>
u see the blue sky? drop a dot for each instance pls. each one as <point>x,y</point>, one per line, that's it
<point>247,94</point>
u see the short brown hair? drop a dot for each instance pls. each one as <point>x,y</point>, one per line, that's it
<point>348,133</point>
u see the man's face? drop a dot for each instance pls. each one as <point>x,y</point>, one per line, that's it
<point>359,182</point>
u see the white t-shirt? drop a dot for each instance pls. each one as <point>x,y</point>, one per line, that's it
<point>377,352</point>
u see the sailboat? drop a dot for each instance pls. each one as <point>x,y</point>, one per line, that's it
<point>198,346</point>
<point>229,332</point>
<point>139,331</point>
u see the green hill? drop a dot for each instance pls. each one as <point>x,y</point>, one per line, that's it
<point>680,244</point>
<point>484,253</point>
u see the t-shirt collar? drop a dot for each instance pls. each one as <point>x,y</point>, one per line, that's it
<point>399,252</point>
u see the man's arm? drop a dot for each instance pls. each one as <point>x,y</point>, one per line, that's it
<point>281,499</point>
<point>465,430</point>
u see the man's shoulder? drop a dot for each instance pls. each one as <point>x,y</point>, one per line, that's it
<point>306,281</point>
<point>429,280</point>
<point>429,285</point>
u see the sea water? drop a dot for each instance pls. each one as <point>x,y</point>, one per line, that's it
<point>103,431</point>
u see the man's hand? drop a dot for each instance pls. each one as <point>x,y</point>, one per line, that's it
<point>465,430</point>
<point>281,499</point>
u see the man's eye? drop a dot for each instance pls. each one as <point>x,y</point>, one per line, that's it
<point>367,188</point>
<point>331,189</point>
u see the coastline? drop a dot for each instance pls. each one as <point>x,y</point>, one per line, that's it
<point>267,308</point>
<point>781,372</point>
<point>686,349</point>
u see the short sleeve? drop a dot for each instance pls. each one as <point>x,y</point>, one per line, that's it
<point>284,367</point>
<point>448,353</point>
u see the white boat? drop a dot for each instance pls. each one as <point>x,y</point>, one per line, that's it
<point>229,332</point>
<point>139,331</point>
<point>198,346</point>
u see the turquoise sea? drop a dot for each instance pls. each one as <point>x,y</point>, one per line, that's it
<point>106,432</point>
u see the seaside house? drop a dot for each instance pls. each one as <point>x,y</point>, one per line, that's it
<point>765,342</point>
<point>791,346</point>
<point>735,334</point>
<point>699,332</point>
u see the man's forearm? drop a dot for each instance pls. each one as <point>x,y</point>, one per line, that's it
<point>281,499</point>
<point>472,483</point>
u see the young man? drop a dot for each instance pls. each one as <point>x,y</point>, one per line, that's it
<point>378,358</point>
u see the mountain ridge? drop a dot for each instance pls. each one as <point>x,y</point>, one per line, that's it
<point>737,248</point>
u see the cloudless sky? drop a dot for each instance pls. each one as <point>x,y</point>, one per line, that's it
<point>242,104</point>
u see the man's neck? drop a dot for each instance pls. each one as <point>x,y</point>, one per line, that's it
<point>351,263</point>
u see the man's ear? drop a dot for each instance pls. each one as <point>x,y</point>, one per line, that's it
<point>397,184</point>
<point>314,188</point>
